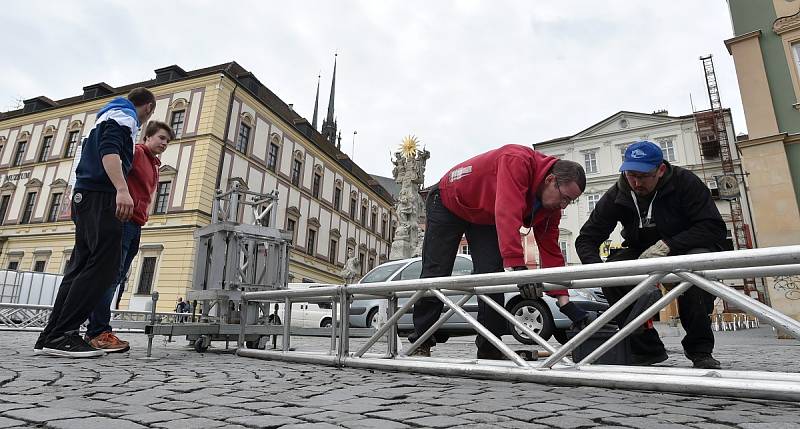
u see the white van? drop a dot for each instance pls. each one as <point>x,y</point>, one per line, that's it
<point>304,314</point>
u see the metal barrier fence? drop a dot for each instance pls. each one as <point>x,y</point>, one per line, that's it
<point>28,287</point>
<point>704,271</point>
<point>32,317</point>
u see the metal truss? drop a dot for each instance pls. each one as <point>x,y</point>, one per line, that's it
<point>704,271</point>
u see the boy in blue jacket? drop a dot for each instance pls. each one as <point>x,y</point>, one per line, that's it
<point>101,203</point>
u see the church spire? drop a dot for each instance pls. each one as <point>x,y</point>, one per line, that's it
<point>316,106</point>
<point>329,124</point>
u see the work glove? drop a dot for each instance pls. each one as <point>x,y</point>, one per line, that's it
<point>529,290</point>
<point>655,251</point>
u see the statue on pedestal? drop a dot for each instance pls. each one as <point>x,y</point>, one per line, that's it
<point>409,172</point>
<point>352,268</point>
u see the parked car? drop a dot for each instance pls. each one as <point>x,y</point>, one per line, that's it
<point>304,314</point>
<point>541,315</point>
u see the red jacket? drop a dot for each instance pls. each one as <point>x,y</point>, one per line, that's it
<point>142,182</point>
<point>499,188</point>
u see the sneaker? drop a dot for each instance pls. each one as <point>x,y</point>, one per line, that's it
<point>703,361</point>
<point>423,351</point>
<point>71,345</point>
<point>38,347</point>
<point>109,343</point>
<point>648,359</point>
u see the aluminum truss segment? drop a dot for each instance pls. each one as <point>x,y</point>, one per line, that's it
<point>702,270</point>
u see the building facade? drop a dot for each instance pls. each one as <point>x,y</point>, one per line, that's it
<point>230,128</point>
<point>766,53</point>
<point>600,148</point>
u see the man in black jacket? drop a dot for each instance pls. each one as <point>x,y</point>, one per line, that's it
<point>664,210</point>
<point>101,203</point>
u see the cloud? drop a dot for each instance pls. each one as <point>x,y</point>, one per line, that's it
<point>464,76</point>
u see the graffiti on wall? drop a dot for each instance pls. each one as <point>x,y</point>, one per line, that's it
<point>789,286</point>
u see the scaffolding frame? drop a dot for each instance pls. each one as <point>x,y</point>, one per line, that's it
<point>702,270</point>
<point>232,258</point>
<point>712,137</point>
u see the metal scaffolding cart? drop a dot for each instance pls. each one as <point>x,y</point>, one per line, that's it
<point>233,256</point>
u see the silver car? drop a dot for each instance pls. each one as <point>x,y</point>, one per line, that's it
<point>540,315</point>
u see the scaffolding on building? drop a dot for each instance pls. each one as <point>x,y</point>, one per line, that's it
<point>712,135</point>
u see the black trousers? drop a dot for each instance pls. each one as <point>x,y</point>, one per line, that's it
<point>694,306</point>
<point>94,264</point>
<point>442,236</point>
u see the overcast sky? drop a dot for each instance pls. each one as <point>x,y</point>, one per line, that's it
<point>463,76</point>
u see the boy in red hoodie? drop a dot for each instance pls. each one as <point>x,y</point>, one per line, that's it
<point>142,182</point>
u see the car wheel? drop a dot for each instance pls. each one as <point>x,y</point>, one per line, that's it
<point>372,318</point>
<point>560,335</point>
<point>533,315</point>
<point>326,323</point>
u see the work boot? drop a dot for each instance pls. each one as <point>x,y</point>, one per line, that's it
<point>648,359</point>
<point>703,360</point>
<point>492,354</point>
<point>423,350</point>
<point>590,317</point>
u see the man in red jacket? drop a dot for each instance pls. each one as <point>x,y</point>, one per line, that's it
<point>142,182</point>
<point>489,198</point>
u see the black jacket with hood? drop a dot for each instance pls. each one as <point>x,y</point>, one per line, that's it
<point>683,211</point>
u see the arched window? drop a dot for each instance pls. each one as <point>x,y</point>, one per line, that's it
<point>177,116</point>
<point>316,182</point>
<point>72,139</point>
<point>245,130</point>
<point>21,148</point>
<point>297,168</point>
<point>273,156</point>
<point>337,195</point>
<point>46,144</point>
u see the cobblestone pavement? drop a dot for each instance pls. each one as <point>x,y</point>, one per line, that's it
<point>180,388</point>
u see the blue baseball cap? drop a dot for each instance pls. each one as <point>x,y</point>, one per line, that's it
<point>643,156</point>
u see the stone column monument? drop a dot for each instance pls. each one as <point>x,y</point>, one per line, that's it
<point>409,172</point>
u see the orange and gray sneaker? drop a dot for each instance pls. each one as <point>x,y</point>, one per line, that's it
<point>109,343</point>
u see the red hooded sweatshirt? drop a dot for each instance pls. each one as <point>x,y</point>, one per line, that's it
<point>142,181</point>
<point>499,188</point>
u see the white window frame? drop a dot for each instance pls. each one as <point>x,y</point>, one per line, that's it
<point>590,160</point>
<point>591,201</point>
<point>796,51</point>
<point>668,149</point>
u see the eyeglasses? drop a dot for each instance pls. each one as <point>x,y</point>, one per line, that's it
<point>565,200</point>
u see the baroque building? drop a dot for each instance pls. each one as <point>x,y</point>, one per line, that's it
<point>600,148</point>
<point>230,128</point>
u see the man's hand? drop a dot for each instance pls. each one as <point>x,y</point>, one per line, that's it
<point>124,205</point>
<point>655,251</point>
<point>531,290</point>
